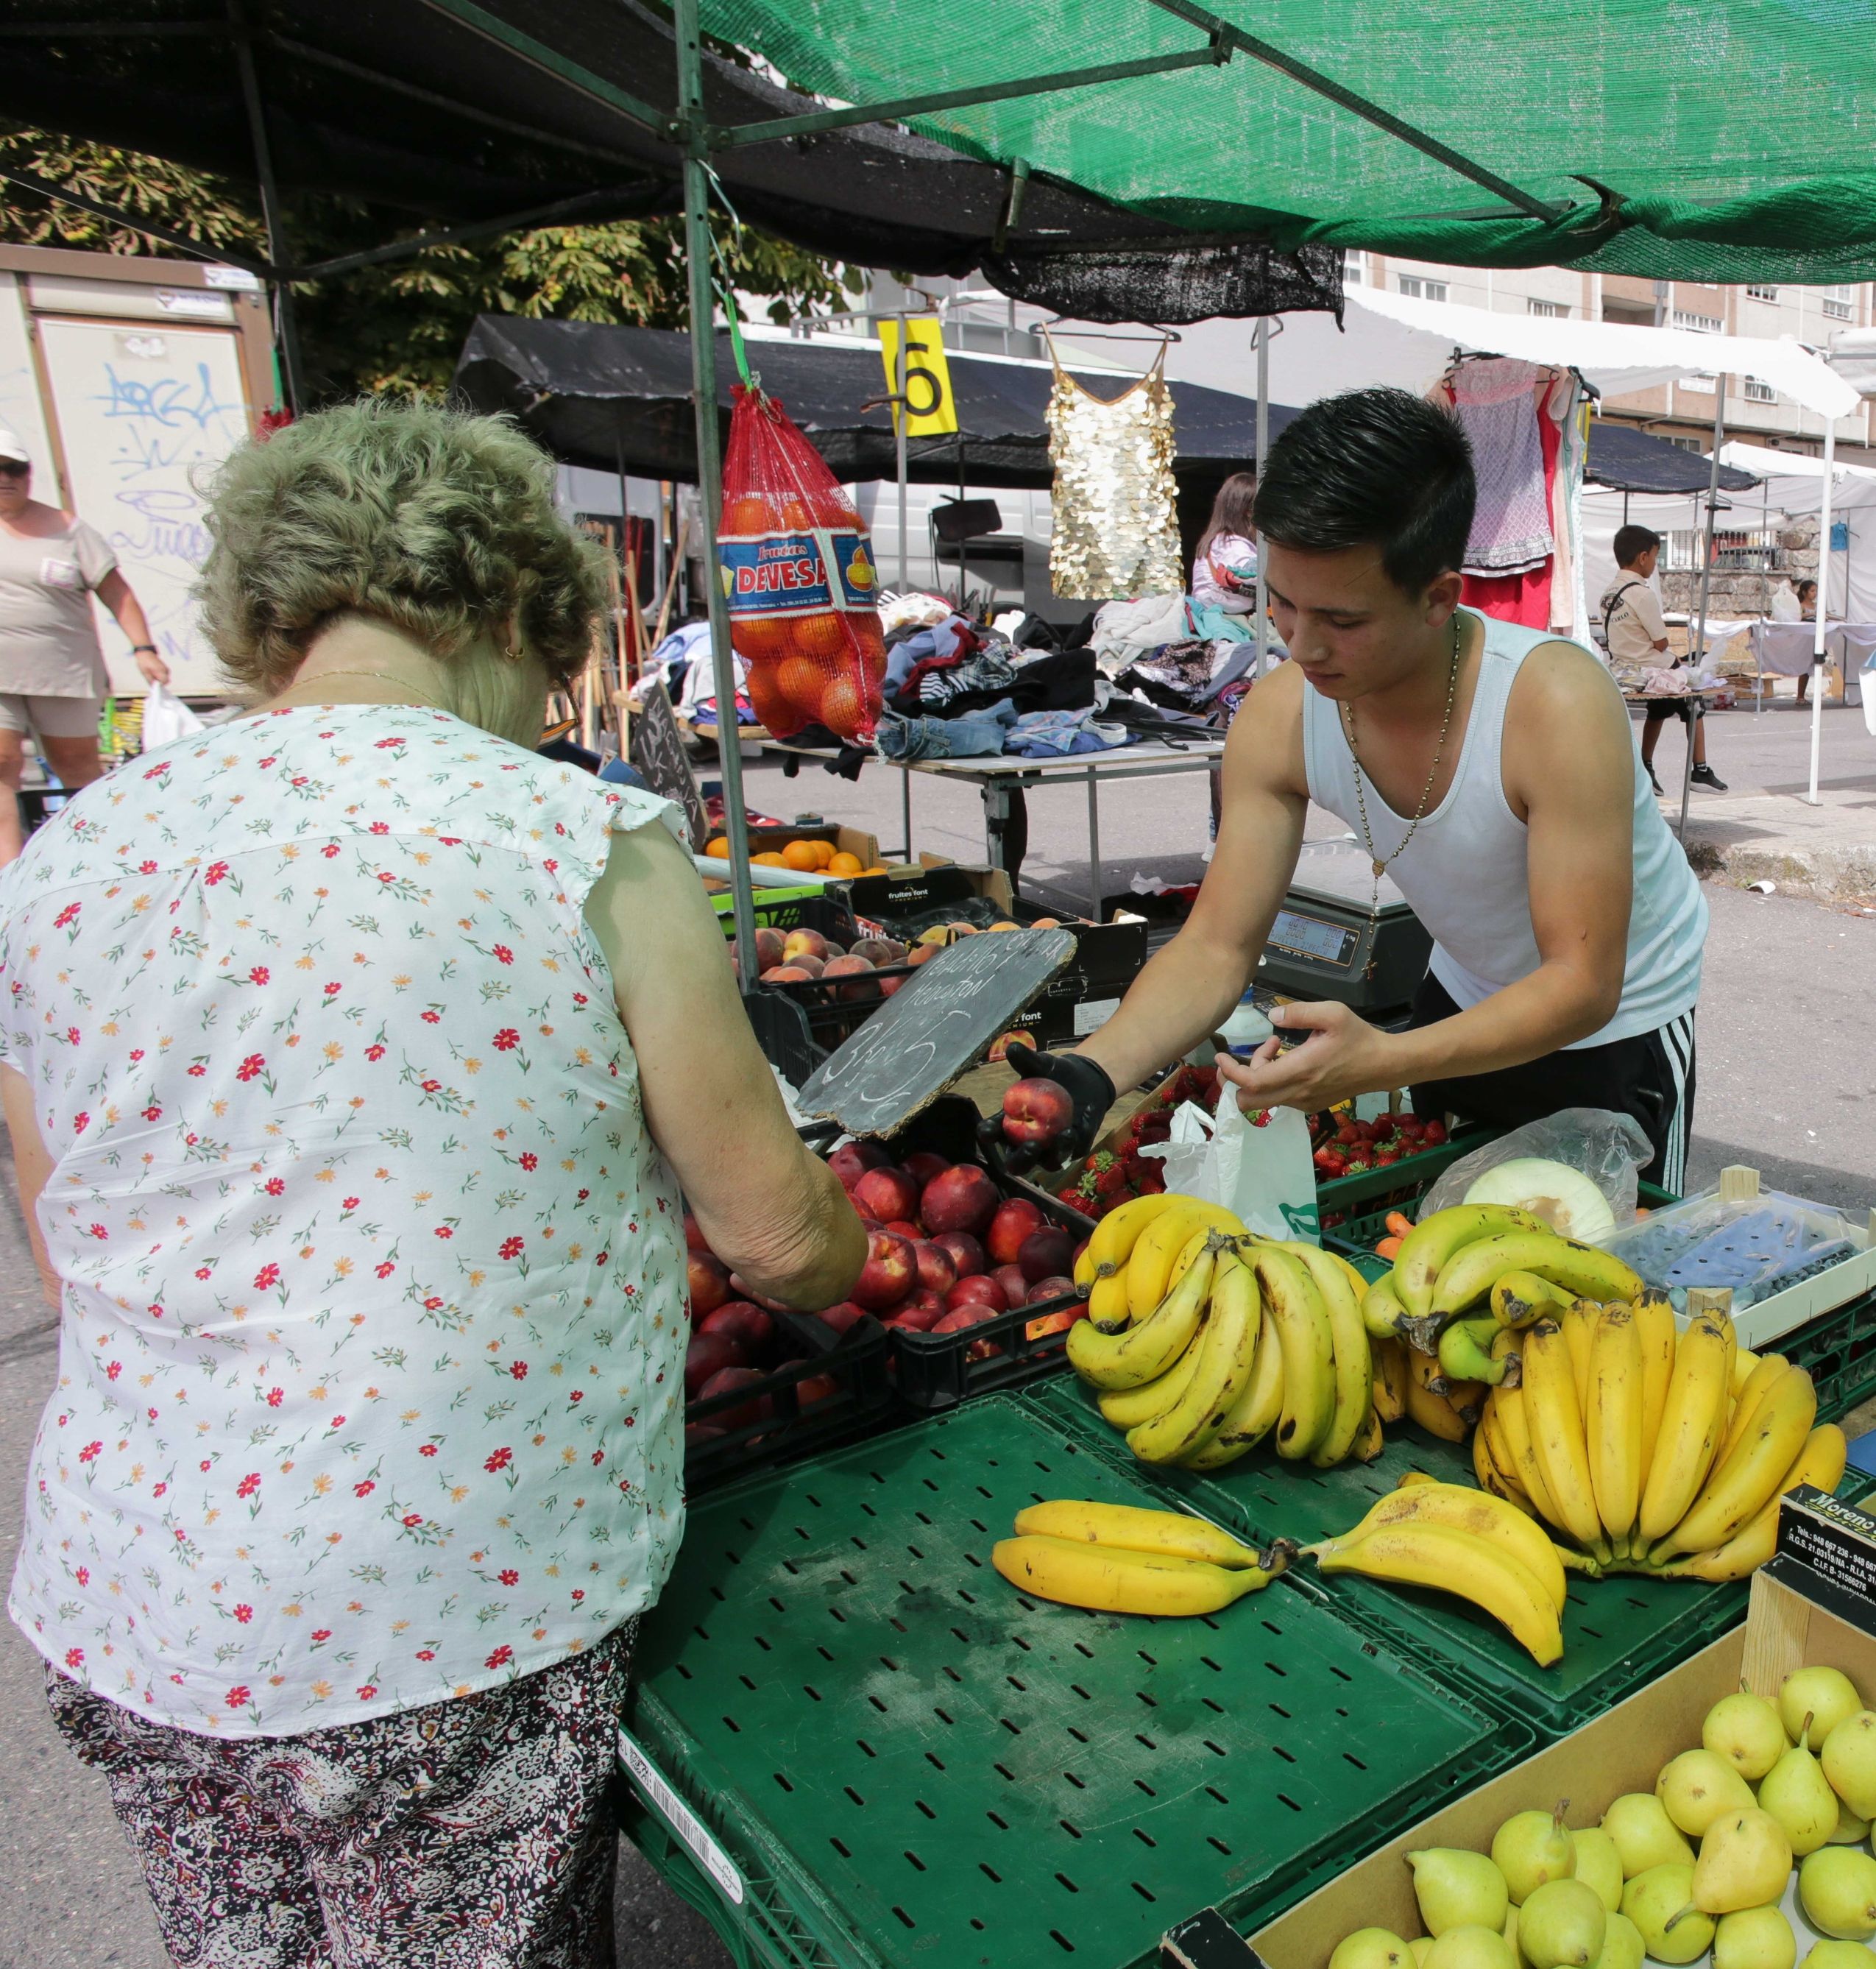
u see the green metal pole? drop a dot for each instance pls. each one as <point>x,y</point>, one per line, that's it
<point>710,471</point>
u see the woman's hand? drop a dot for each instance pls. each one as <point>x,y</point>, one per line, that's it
<point>154,669</point>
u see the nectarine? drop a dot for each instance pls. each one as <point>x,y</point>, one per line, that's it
<point>886,1193</point>
<point>1036,1111</point>
<point>749,1326</point>
<point>936,1272</point>
<point>1013,1221</point>
<point>921,1166</point>
<point>709,1354</point>
<point>961,1199</point>
<point>978,1291</point>
<point>889,1274</point>
<point>851,1160</point>
<point>967,1255</point>
<point>1044,1290</point>
<point>1009,1281</point>
<point>842,1316</point>
<point>744,1414</point>
<point>1046,1252</point>
<point>708,1278</point>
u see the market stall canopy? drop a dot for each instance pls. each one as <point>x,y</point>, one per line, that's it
<point>1772,466</point>
<point>442,111</point>
<point>618,399</point>
<point>1629,460</point>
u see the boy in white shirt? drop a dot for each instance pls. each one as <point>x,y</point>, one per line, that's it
<point>1637,636</point>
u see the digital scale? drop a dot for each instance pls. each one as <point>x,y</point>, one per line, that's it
<point>1322,945</point>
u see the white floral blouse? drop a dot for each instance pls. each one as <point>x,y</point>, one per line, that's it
<point>369,1383</point>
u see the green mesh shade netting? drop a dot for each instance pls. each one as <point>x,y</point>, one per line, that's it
<point>1724,140</point>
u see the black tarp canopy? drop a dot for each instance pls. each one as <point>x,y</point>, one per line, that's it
<point>619,399</point>
<point>1624,459</point>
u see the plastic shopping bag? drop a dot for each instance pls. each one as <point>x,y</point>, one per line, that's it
<point>798,578</point>
<point>1260,1169</point>
<point>167,717</point>
<point>1610,1151</point>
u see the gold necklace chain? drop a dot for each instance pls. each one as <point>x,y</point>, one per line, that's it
<point>1378,867</point>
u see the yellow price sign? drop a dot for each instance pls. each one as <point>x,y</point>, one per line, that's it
<point>929,408</point>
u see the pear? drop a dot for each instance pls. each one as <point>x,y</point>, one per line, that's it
<point>1598,1864</point>
<point>1757,1938</point>
<point>1622,1945</point>
<point>1644,1835</point>
<point>1457,1889</point>
<point>1798,1794</point>
<point>1561,1926</point>
<point>1745,1730</point>
<point>1745,1860</point>
<point>1532,1847</point>
<point>1840,1955</point>
<point>1851,1831</point>
<point>1837,1890</point>
<point>1661,1904</point>
<point>1422,1946</point>
<point>1826,1695</point>
<point>1696,1787</point>
<point>1471,1948</point>
<point>1371,1948</point>
<point>1849,1759</point>
<point>1510,1938</point>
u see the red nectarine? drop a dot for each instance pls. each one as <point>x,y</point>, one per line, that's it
<point>813,1388</point>
<point>1058,1287</point>
<point>1046,1252</point>
<point>889,1274</point>
<point>709,1354</point>
<point>694,1238</point>
<point>841,1317</point>
<point>979,1291</point>
<point>1010,1282</point>
<point>851,1160</point>
<point>1013,1222</point>
<point>886,1193</point>
<point>921,1166</point>
<point>967,1255</point>
<point>727,1382</point>
<point>936,1271</point>
<point>1036,1112</point>
<point>749,1326</point>
<point>961,1199</point>
<point>709,1281</point>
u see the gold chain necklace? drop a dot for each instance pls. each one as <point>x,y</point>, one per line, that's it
<point>1379,867</point>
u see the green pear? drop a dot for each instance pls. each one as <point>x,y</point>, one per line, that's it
<point>1532,1847</point>
<point>1745,1861</point>
<point>1837,1890</point>
<point>1471,1948</point>
<point>1851,1831</point>
<point>1598,1864</point>
<point>1457,1889</point>
<point>1840,1955</point>
<point>1622,1945</point>
<point>1745,1730</point>
<point>1661,1904</point>
<point>1849,1759</point>
<point>1422,1946</point>
<point>1696,1787</point>
<point>1510,1938</point>
<point>1757,1938</point>
<point>1644,1835</point>
<point>1561,1924</point>
<point>1371,1948</point>
<point>1797,1793</point>
<point>1826,1695</point>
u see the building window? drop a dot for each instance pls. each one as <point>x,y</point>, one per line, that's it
<point>1417,289</point>
<point>1551,310</point>
<point>1759,392</point>
<point>1693,444</point>
<point>1702,386</point>
<point>1354,267</point>
<point>1839,303</point>
<point>1702,324</point>
<point>1762,293</point>
<point>1630,314</point>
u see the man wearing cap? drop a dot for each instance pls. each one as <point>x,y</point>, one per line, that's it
<point>52,673</point>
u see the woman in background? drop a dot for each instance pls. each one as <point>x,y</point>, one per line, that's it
<point>1224,569</point>
<point>1807,612</point>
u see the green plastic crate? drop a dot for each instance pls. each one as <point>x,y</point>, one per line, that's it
<point>1839,1348</point>
<point>912,1764</point>
<point>1377,1191</point>
<point>1619,1633</point>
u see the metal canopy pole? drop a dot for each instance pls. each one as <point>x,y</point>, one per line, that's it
<point>710,474</point>
<point>1823,609</point>
<point>286,330</point>
<point>1263,446</point>
<point>1706,570</point>
<point>902,412</point>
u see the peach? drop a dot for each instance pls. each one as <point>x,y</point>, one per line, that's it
<point>1013,1221</point>
<point>889,987</point>
<point>851,1160</point>
<point>803,961</point>
<point>967,1255</point>
<point>999,1047</point>
<point>889,1273</point>
<point>921,1166</point>
<point>728,1381</point>
<point>845,967</point>
<point>1036,1112</point>
<point>1045,1253</point>
<point>936,1271</point>
<point>876,950</point>
<point>804,943</point>
<point>886,1194</point>
<point>709,1354</point>
<point>771,948</point>
<point>708,1278</point>
<point>749,1326</point>
<point>922,953</point>
<point>961,1199</point>
<point>788,973</point>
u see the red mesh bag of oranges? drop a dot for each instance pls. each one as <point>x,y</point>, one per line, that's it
<point>798,578</point>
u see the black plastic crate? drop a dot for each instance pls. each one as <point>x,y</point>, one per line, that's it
<point>782,1031</point>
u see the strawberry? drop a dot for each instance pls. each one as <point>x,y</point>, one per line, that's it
<point>1435,1134</point>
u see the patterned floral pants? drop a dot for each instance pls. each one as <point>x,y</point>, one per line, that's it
<point>468,1835</point>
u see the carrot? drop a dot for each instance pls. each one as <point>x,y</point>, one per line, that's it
<point>1397,1223</point>
<point>1386,1247</point>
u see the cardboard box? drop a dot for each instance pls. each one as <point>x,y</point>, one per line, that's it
<point>842,840</point>
<point>934,883</point>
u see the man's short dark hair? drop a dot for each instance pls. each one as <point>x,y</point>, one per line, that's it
<point>1631,543</point>
<point>1377,468</point>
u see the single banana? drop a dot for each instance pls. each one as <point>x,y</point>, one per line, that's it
<point>1126,1408</point>
<point>1489,1436</point>
<point>1581,1270</point>
<point>1307,1341</point>
<point>1518,1297</point>
<point>1254,1414</point>
<point>1451,1561</point>
<point>1557,1436</point>
<point>1466,1399</point>
<point>1354,1364</point>
<point>1108,1309</point>
<point>1820,1462</point>
<point>1178,1534</point>
<point>1425,1407</point>
<point>1227,1353</point>
<point>1766,1369</point>
<point>1654,1323</point>
<point>1476,1511</point>
<point>1611,1423</point>
<point>1388,1382</point>
<point>1466,1352</point>
<point>1151,1267</point>
<point>1117,1233</point>
<point>1358,1280</point>
<point>1112,1581</point>
<point>1381,1310</point>
<point>1370,1443</point>
<point>1431,1245</point>
<point>1744,1362</point>
<point>1578,1320</point>
<point>1743,1482</point>
<point>1145,1352</point>
<point>1513,1422</point>
<point>1690,1425</point>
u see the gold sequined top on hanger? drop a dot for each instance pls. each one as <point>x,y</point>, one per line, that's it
<point>1115,531</point>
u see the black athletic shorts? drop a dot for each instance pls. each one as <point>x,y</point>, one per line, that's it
<point>1650,1077</point>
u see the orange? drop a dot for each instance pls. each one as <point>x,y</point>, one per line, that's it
<point>720,848</point>
<point>823,853</point>
<point>878,868</point>
<point>771,860</point>
<point>800,856</point>
<point>846,864</point>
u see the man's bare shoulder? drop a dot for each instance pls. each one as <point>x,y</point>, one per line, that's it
<point>1267,734</point>
<point>1563,706</point>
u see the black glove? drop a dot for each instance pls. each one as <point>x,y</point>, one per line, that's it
<point>1088,1089</point>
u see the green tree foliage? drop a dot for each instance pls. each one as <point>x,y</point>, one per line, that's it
<point>398,328</point>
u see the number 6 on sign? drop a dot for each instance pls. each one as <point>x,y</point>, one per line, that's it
<point>930,409</point>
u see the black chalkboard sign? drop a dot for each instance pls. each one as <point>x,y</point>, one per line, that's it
<point>656,748</point>
<point>939,1024</point>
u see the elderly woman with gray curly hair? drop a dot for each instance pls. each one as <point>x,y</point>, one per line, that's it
<point>353,1055</point>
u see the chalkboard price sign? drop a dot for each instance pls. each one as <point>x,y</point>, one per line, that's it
<point>942,1022</point>
<point>657,750</point>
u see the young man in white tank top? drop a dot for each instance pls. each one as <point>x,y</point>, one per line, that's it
<point>1491,769</point>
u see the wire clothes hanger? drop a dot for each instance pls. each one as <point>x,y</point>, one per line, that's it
<point>1165,337</point>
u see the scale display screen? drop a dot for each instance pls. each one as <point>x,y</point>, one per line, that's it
<point>1310,936</point>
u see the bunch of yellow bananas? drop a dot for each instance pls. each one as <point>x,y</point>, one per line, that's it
<point>1204,1340</point>
<point>1470,1542</point>
<point>1654,1452</point>
<point>1117,1559</point>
